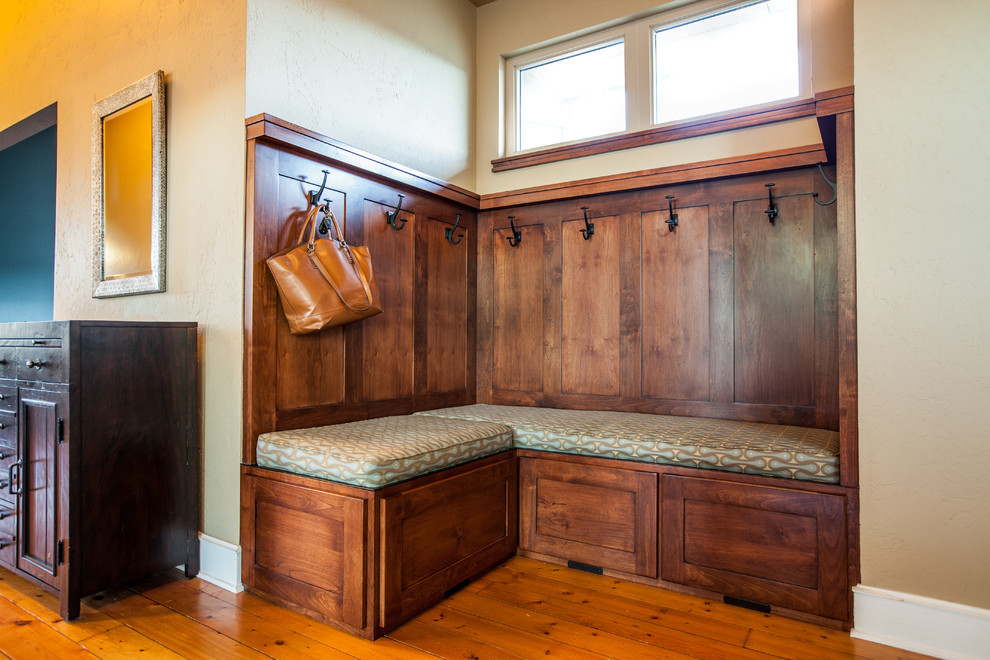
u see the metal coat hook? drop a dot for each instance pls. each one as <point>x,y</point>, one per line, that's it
<point>314,196</point>
<point>391,217</point>
<point>516,237</point>
<point>589,227</point>
<point>448,233</point>
<point>672,222</point>
<point>772,208</point>
<point>831,184</point>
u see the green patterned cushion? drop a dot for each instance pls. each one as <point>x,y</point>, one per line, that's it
<point>781,451</point>
<point>376,452</point>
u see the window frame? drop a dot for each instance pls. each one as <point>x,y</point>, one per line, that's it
<point>637,35</point>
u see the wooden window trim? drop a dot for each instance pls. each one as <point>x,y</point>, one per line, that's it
<point>824,103</point>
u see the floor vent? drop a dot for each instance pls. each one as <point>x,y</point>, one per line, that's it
<point>587,568</point>
<point>748,604</point>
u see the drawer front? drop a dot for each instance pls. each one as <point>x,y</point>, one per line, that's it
<point>7,457</point>
<point>604,517</point>
<point>8,398</point>
<point>8,362</point>
<point>40,363</point>
<point>8,532</point>
<point>8,429</point>
<point>772,545</point>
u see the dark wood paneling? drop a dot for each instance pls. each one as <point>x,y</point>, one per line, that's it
<point>771,545</point>
<point>590,307</point>
<point>775,303</point>
<point>447,314</point>
<point>388,338</point>
<point>676,325</point>
<point>517,334</point>
<point>601,516</point>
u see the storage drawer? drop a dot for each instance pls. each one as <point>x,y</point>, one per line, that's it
<point>8,361</point>
<point>8,429</point>
<point>604,517</point>
<point>776,546</point>
<point>440,534</point>
<point>8,531</point>
<point>8,398</point>
<point>41,363</point>
<point>8,454</point>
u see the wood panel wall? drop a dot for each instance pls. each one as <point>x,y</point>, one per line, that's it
<point>418,354</point>
<point>726,316</point>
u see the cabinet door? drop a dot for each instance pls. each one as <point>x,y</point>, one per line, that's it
<point>36,482</point>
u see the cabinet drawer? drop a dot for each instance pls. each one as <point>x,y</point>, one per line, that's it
<point>40,363</point>
<point>8,531</point>
<point>600,516</point>
<point>8,398</point>
<point>773,545</point>
<point>8,362</point>
<point>8,429</point>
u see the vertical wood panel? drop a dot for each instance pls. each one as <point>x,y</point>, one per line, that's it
<point>447,314</point>
<point>848,359</point>
<point>517,349</point>
<point>590,288</point>
<point>722,301</point>
<point>775,303</point>
<point>320,355</point>
<point>826,310</point>
<point>631,306</point>
<point>676,328</point>
<point>388,355</point>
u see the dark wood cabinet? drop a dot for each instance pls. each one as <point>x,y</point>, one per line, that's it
<point>99,453</point>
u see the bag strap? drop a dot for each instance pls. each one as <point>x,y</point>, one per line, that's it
<point>343,246</point>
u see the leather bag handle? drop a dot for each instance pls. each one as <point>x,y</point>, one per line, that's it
<point>311,222</point>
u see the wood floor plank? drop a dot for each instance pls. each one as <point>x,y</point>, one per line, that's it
<point>249,629</point>
<point>629,610</point>
<point>23,636</point>
<point>123,643</point>
<point>173,630</point>
<point>445,644</point>
<point>564,630</point>
<point>44,606</point>
<point>794,649</point>
<point>486,632</point>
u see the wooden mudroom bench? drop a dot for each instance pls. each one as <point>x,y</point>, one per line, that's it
<point>657,389</point>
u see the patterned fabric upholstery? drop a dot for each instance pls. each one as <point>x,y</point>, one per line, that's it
<point>781,451</point>
<point>376,452</point>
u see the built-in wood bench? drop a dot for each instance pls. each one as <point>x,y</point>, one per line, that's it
<point>383,516</point>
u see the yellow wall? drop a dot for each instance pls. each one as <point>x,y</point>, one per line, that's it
<point>77,53</point>
<point>392,77</point>
<point>506,26</point>
<point>923,240</point>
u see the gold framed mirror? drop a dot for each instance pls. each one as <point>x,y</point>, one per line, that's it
<point>129,190</point>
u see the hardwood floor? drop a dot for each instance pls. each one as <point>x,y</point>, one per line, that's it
<point>524,609</point>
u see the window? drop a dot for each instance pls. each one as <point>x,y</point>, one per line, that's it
<point>667,68</point>
<point>579,95</point>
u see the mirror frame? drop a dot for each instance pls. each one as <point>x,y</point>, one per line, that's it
<point>153,86</point>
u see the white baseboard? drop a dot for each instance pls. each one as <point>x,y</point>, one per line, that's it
<point>220,563</point>
<point>925,625</point>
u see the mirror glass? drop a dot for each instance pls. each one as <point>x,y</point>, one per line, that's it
<point>128,191</point>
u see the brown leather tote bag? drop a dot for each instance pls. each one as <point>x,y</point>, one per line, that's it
<point>324,282</point>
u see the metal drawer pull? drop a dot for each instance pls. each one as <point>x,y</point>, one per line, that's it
<point>34,364</point>
<point>2,396</point>
<point>2,426</point>
<point>4,513</point>
<point>5,542</point>
<point>4,455</point>
<point>10,478</point>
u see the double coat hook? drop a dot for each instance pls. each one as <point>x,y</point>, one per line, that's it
<point>448,233</point>
<point>672,222</point>
<point>589,227</point>
<point>516,237</point>
<point>772,207</point>
<point>391,217</point>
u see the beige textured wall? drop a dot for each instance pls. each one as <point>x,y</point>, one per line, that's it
<point>922,176</point>
<point>77,53</point>
<point>391,77</point>
<point>506,26</point>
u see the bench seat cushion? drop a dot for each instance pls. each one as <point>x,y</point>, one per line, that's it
<point>377,452</point>
<point>753,448</point>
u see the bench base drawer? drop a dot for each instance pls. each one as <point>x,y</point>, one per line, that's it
<point>605,517</point>
<point>775,546</point>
